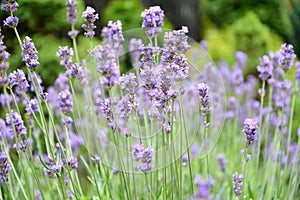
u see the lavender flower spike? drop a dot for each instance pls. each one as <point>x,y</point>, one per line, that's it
<point>71,6</point>
<point>29,54</point>
<point>11,22</point>
<point>297,75</point>
<point>237,183</point>
<point>4,55</point>
<point>251,131</point>
<point>65,102</point>
<point>203,90</point>
<point>89,18</point>
<point>9,5</point>
<point>4,167</point>
<point>153,19</point>
<point>265,68</point>
<point>287,56</point>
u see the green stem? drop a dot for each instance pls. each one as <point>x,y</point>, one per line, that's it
<point>260,121</point>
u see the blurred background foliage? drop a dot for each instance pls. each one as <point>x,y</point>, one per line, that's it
<point>253,26</point>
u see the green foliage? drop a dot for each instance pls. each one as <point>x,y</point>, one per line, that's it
<point>295,20</point>
<point>246,34</point>
<point>272,13</point>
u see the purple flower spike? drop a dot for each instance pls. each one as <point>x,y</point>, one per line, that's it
<point>65,102</point>
<point>222,162</point>
<point>237,183</point>
<point>241,58</point>
<point>153,19</point>
<point>128,82</point>
<point>203,90</point>
<point>11,22</point>
<point>139,153</point>
<point>287,56</point>
<point>265,68</point>
<point>176,41</point>
<point>29,54</point>
<point>4,167</point>
<point>4,55</point>
<point>71,6</point>
<point>18,79</point>
<point>147,160</point>
<point>65,54</point>
<point>297,75</point>
<point>9,5</point>
<point>251,131</point>
<point>89,17</point>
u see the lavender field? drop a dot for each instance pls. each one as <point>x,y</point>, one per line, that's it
<point>145,113</point>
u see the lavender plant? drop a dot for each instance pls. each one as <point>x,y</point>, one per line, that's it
<point>151,133</point>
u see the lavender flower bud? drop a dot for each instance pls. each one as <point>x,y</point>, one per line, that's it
<point>250,130</point>
<point>32,106</point>
<point>237,183</point>
<point>241,58</point>
<point>4,55</point>
<point>126,106</point>
<point>17,78</point>
<point>16,123</point>
<point>297,73</point>
<point>79,72</point>
<point>9,5</point>
<point>29,54</point>
<point>287,56</point>
<point>203,90</point>
<point>89,18</point>
<point>176,41</point>
<point>65,102</point>
<point>11,22</point>
<point>71,6</point>
<point>137,152</point>
<point>73,163</point>
<point>65,54</point>
<point>66,120</point>
<point>128,82</point>
<point>95,159</point>
<point>4,167</point>
<point>153,19</point>
<point>222,162</point>
<point>112,34</point>
<point>147,160</point>
<point>265,68</point>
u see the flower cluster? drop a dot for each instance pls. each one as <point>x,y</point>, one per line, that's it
<point>55,166</point>
<point>237,183</point>
<point>18,79</point>
<point>29,54</point>
<point>251,131</point>
<point>71,6</point>
<point>265,68</point>
<point>89,17</point>
<point>11,22</point>
<point>9,5</point>
<point>203,90</point>
<point>176,41</point>
<point>153,19</point>
<point>139,153</point>
<point>4,65</point>
<point>66,106</point>
<point>287,56</point>
<point>4,167</point>
<point>18,128</point>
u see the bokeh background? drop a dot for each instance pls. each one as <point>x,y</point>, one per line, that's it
<point>253,26</point>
